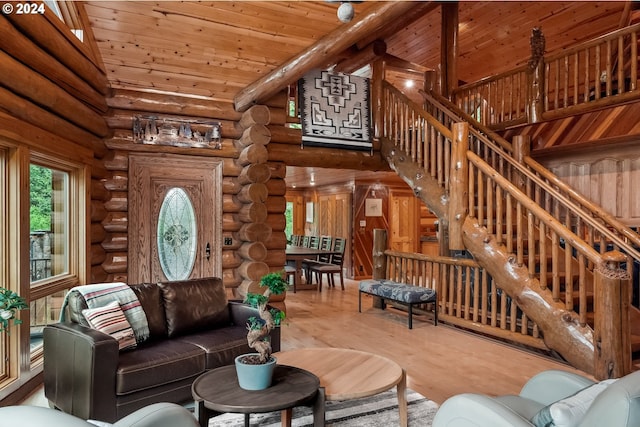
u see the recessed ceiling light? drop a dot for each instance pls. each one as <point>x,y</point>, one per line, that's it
<point>408,83</point>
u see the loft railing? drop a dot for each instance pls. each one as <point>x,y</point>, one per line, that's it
<point>594,74</point>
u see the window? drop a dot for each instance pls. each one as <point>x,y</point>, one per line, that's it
<point>56,236</point>
<point>288,214</point>
<point>48,223</point>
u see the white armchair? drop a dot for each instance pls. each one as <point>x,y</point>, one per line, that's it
<point>616,405</point>
<point>156,415</point>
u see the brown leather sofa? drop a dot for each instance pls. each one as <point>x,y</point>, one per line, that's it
<point>193,328</point>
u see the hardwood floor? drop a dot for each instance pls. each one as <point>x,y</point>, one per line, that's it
<point>440,361</point>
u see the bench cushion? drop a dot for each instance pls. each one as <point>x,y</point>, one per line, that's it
<point>398,291</point>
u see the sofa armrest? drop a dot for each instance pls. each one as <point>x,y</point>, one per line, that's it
<point>553,385</point>
<point>80,370</point>
<point>475,410</point>
<point>240,314</point>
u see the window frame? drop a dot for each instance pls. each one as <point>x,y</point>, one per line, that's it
<point>77,220</point>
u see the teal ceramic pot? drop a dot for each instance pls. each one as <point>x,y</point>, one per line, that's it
<point>254,377</point>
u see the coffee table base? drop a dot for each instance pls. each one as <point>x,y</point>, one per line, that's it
<point>217,391</point>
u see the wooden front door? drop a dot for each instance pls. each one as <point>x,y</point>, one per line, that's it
<point>403,222</point>
<point>175,250</point>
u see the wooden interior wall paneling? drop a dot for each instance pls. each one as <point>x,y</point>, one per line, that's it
<point>132,100</point>
<point>116,222</point>
<point>115,242</point>
<point>119,181</point>
<point>22,49</point>
<point>53,36</point>
<point>97,211</point>
<point>36,122</point>
<point>363,235</point>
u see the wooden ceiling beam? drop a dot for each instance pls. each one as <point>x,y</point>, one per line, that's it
<point>322,52</point>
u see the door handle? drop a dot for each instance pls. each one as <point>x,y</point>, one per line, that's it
<point>207,251</point>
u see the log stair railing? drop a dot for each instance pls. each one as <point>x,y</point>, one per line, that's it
<point>514,224</point>
<point>594,225</point>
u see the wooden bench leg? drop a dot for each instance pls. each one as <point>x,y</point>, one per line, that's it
<point>359,301</point>
<point>410,316</point>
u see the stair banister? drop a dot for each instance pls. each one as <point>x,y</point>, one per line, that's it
<point>483,132</point>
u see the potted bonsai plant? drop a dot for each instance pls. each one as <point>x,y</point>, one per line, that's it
<point>256,369</point>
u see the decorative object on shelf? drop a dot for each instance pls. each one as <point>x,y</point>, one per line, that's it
<point>258,375</point>
<point>177,132</point>
<point>335,111</point>
<point>10,303</point>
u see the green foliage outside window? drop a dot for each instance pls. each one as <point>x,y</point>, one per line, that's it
<point>288,214</point>
<point>41,184</point>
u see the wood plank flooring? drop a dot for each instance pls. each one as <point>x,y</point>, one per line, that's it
<point>440,361</point>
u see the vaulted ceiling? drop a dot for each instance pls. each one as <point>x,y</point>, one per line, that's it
<point>216,49</point>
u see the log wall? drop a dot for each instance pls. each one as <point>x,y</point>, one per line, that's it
<point>52,101</point>
<point>252,188</point>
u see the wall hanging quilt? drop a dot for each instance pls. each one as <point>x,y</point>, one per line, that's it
<point>335,110</point>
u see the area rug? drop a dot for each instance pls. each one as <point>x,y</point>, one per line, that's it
<point>335,110</point>
<point>380,410</point>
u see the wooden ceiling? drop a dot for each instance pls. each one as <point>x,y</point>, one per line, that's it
<point>215,49</point>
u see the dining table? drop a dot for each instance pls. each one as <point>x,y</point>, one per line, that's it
<point>298,254</point>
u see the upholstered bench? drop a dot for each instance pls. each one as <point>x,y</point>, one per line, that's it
<point>400,293</point>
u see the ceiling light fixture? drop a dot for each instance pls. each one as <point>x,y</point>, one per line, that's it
<point>345,12</point>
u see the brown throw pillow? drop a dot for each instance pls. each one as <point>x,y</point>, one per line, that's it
<point>194,305</point>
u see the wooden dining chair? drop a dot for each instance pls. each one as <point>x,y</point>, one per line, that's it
<point>325,245</point>
<point>333,267</point>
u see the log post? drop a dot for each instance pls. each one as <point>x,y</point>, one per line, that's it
<point>379,259</point>
<point>377,107</point>
<point>521,149</point>
<point>458,192</point>
<point>535,77</point>
<point>449,48</point>
<point>612,333</point>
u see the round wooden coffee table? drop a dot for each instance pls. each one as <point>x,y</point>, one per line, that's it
<point>350,374</point>
<point>218,391</point>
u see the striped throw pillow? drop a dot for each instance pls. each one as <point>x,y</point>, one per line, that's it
<point>110,319</point>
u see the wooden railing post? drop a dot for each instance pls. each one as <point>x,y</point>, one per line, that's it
<point>458,184</point>
<point>521,149</point>
<point>378,257</point>
<point>612,336</point>
<point>535,104</point>
<point>377,98</point>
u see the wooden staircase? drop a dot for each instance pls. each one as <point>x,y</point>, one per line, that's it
<point>513,207</point>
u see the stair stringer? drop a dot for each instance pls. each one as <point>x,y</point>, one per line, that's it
<point>560,327</point>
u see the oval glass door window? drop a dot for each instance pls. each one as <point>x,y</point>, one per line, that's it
<point>177,237</point>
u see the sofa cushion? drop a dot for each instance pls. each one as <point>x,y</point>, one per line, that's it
<point>151,301</point>
<point>220,345</point>
<point>194,305</point>
<point>157,363</point>
<point>111,320</point>
<point>570,411</point>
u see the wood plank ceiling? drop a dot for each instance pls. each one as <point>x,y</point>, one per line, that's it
<point>215,49</point>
